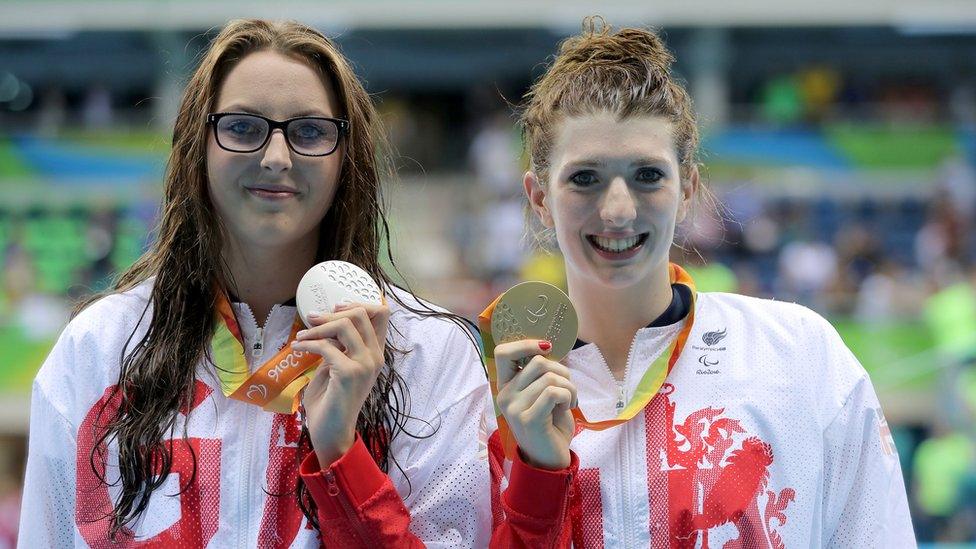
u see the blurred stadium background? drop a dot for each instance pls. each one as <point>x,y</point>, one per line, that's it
<point>840,137</point>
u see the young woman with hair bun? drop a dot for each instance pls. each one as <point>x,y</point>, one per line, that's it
<point>679,419</point>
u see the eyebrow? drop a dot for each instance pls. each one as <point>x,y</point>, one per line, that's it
<point>241,107</point>
<point>600,163</point>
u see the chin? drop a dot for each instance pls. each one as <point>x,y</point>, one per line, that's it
<point>613,278</point>
<point>620,280</point>
<point>275,237</point>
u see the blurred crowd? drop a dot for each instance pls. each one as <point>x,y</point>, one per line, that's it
<point>873,258</point>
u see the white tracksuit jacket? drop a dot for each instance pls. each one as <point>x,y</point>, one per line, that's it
<point>767,433</point>
<point>243,452</point>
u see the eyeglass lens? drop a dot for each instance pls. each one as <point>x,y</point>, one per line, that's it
<point>246,133</point>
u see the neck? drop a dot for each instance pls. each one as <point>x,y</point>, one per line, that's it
<point>264,277</point>
<point>610,317</point>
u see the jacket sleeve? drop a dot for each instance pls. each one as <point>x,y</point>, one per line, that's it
<point>357,503</point>
<point>47,517</point>
<point>865,504</point>
<point>437,491</point>
<point>532,507</point>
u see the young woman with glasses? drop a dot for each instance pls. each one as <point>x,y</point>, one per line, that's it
<point>679,419</point>
<point>138,433</point>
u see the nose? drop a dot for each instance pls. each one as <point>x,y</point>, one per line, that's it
<point>618,209</point>
<point>277,155</point>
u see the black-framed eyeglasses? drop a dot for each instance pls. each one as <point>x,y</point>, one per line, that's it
<point>306,135</point>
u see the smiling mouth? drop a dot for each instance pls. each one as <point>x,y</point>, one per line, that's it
<point>617,245</point>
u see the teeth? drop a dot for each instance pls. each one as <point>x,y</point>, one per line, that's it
<point>615,244</point>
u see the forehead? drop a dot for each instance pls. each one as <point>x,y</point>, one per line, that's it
<point>602,135</point>
<point>277,86</point>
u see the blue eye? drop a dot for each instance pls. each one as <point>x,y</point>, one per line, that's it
<point>309,131</point>
<point>583,179</point>
<point>242,127</point>
<point>649,175</point>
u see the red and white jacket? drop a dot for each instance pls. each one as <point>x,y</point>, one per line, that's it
<point>767,433</point>
<point>436,493</point>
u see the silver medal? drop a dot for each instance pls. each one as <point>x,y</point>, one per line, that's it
<point>332,283</point>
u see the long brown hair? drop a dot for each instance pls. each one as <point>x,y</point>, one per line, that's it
<point>157,379</point>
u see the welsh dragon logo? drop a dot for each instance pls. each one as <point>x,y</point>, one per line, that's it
<point>716,483</point>
<point>714,478</point>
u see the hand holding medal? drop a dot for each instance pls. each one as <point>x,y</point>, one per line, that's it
<point>333,283</point>
<point>347,324</point>
<point>346,320</point>
<point>513,315</point>
<point>534,326</point>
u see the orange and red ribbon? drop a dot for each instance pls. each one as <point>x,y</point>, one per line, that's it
<point>277,384</point>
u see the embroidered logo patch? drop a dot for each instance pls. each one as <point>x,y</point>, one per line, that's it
<point>711,338</point>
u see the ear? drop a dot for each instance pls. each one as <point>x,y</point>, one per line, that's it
<point>536,193</point>
<point>689,189</point>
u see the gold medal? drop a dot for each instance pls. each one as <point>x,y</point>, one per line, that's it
<point>536,310</point>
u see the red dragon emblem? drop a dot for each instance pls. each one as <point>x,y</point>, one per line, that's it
<point>711,483</point>
<point>700,479</point>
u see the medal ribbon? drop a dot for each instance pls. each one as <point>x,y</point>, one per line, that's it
<point>649,385</point>
<point>276,385</point>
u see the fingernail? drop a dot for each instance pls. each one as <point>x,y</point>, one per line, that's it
<point>301,334</point>
<point>342,307</point>
<point>545,345</point>
<point>315,314</point>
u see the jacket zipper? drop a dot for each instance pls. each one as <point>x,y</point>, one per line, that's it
<point>625,485</point>
<point>627,466</point>
<point>362,533</point>
<point>625,462</point>
<point>562,512</point>
<point>621,393</point>
<point>257,348</point>
<point>245,482</point>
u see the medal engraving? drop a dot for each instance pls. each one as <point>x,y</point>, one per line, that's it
<point>556,326</point>
<point>505,324</point>
<point>536,310</point>
<point>537,315</point>
<point>332,283</point>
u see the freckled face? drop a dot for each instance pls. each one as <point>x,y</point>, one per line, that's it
<point>273,197</point>
<point>614,196</point>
